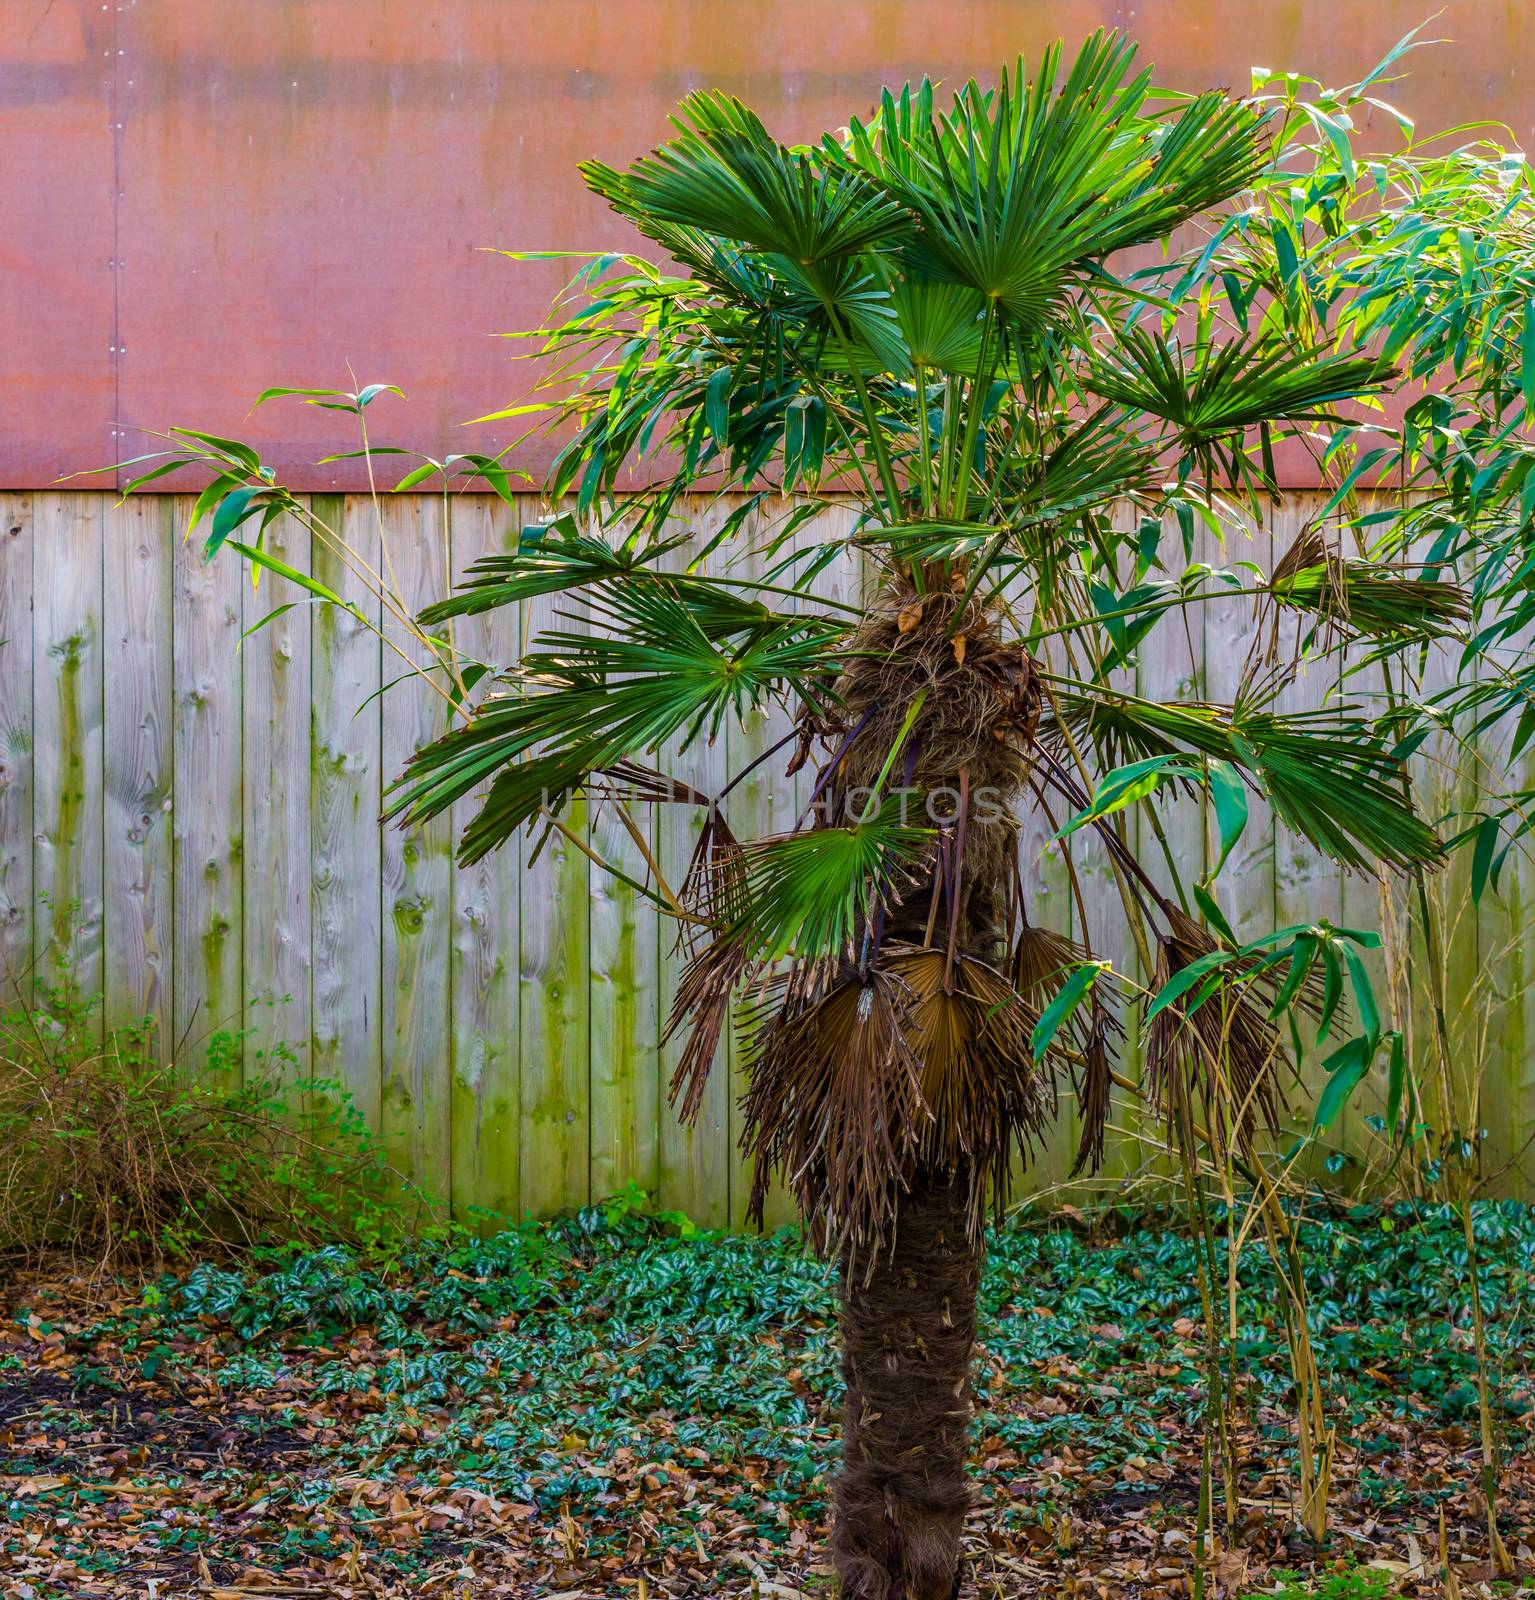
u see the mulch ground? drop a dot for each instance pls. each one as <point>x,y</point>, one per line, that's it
<point>602,1408</point>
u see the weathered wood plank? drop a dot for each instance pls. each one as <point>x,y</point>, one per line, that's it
<point>277,910</point>
<point>1047,903</point>
<point>1447,772</point>
<point>67,732</point>
<point>1232,629</point>
<point>554,1019</point>
<point>207,806</point>
<point>417,865</point>
<point>1307,885</point>
<point>625,932</point>
<point>695,1160</point>
<point>17,544</point>
<point>1170,838</point>
<point>346,759</point>
<point>486,1098</point>
<point>138,553</point>
<point>1505,932</point>
<point>763,802</point>
<point>1110,935</point>
<point>1234,633</point>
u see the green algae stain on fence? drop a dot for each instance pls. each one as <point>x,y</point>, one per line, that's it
<point>64,909</point>
<point>623,1025</point>
<point>555,1015</point>
<point>215,947</point>
<point>345,781</point>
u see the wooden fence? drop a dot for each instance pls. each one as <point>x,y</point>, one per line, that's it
<point>189,822</point>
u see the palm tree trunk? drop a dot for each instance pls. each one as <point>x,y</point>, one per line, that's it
<point>908,1329</point>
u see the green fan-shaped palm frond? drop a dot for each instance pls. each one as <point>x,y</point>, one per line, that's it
<point>935,327</point>
<point>1019,189</point>
<point>551,558</point>
<point>1224,388</point>
<point>1364,597</point>
<point>814,893</point>
<point>555,558</point>
<point>586,702</point>
<point>725,174</point>
<point>1091,465</point>
<point>1326,774</point>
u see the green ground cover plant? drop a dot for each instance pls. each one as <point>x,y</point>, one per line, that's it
<point>616,1404</point>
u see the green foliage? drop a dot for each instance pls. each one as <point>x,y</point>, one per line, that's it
<point>1355,1583</point>
<point>525,1365</point>
<point>667,660</point>
<point>118,1157</point>
<point>813,892</point>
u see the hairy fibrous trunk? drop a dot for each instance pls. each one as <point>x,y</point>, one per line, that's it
<point>908,1329</point>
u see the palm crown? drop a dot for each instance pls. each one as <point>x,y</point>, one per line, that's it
<point>929,314</point>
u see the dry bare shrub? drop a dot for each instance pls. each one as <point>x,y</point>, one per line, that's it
<point>114,1159</point>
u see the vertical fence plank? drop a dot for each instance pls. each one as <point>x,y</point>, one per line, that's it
<point>1171,668</point>
<point>1368,898</point>
<point>1447,769</point>
<point>138,544</point>
<point>207,808</point>
<point>1234,637</point>
<point>417,869</point>
<point>554,1018</point>
<point>1232,630</point>
<point>762,803</point>
<point>1308,885</point>
<point>626,1017</point>
<point>1047,903</point>
<point>1517,1078</point>
<point>275,662</point>
<point>67,729</point>
<point>1126,1155</point>
<point>17,542</point>
<point>695,1160</point>
<point>486,1100</point>
<point>345,757</point>
<point>1505,928</point>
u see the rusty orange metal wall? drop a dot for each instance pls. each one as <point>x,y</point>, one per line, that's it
<point>205,197</point>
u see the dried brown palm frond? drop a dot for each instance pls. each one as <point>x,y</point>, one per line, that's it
<point>636,783</point>
<point>835,1105</point>
<point>979,1076</point>
<point>702,1004</point>
<point>1351,596</point>
<point>1040,961</point>
<point>715,880</point>
<point>919,1063</point>
<point>1095,1080</point>
<point>1221,1058</point>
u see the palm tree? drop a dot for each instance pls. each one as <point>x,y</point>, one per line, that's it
<point>939,316</point>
